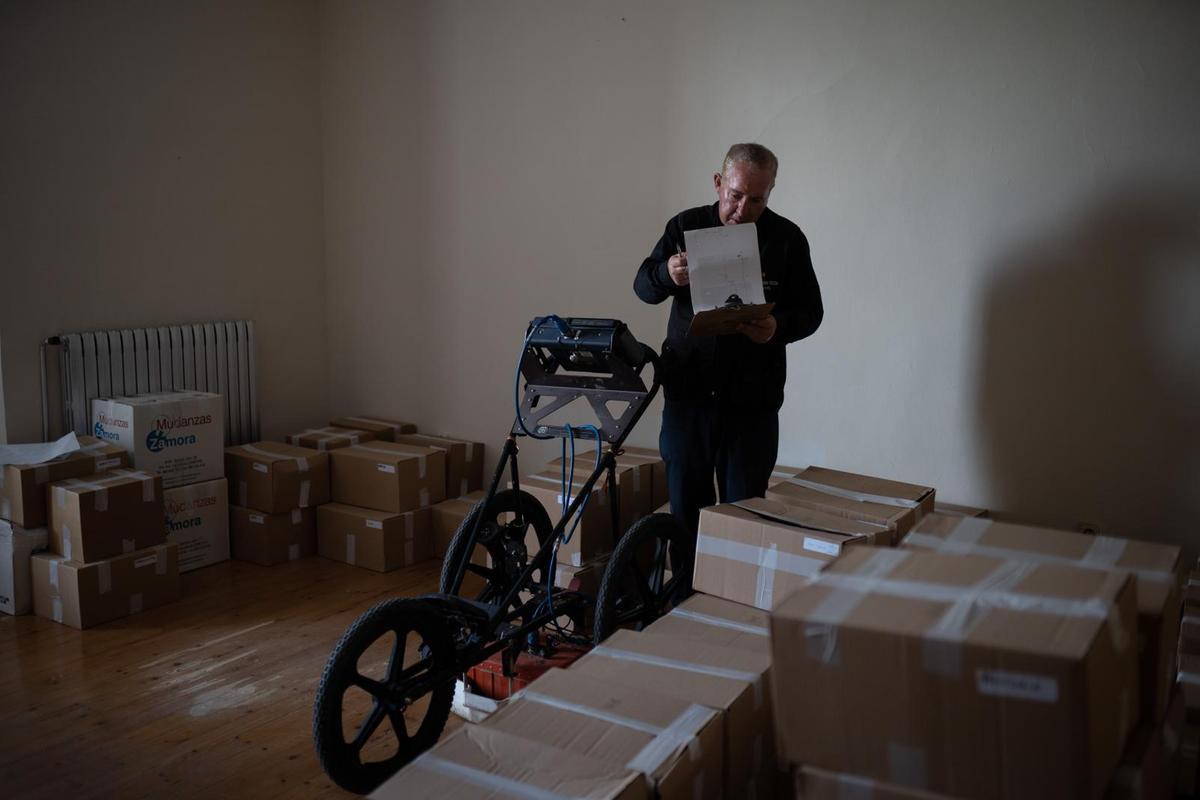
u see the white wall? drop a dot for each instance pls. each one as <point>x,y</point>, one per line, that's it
<point>1001,197</point>
<point>160,163</point>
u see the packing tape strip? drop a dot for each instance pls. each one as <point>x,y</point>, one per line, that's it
<point>409,540</point>
<point>764,585</point>
<point>350,548</point>
<point>3,470</point>
<point>483,780</point>
<point>423,497</point>
<point>680,734</point>
<point>305,490</point>
<point>464,486</point>
<point>297,516</point>
<point>135,603</point>
<point>294,552</point>
<point>588,711</point>
<point>820,631</point>
<point>6,508</point>
<point>847,494</point>
<point>1182,676</point>
<point>54,573</point>
<point>470,452</point>
<point>1105,551</point>
<point>301,463</point>
<point>104,574</point>
<point>941,648</point>
<point>719,622</point>
<point>753,678</point>
<point>928,541</point>
<point>56,609</point>
<point>146,479</point>
<point>755,556</point>
<point>66,542</point>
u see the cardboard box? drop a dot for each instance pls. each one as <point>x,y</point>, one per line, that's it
<point>958,674</point>
<point>734,682</point>
<point>329,438</point>
<point>104,515</point>
<point>445,517</point>
<point>385,430</point>
<point>756,551</point>
<point>1189,760</point>
<point>17,546</point>
<point>83,595</point>
<point>464,461</point>
<point>197,519</point>
<point>23,486</point>
<point>388,476</point>
<point>716,621</point>
<point>179,436</point>
<point>269,539</point>
<point>1149,769</point>
<point>378,540</point>
<point>593,536</point>
<point>635,483</point>
<point>477,761</point>
<point>660,489</point>
<point>674,743</point>
<point>1189,633</point>
<point>1158,568</point>
<point>818,784</point>
<point>782,473</point>
<point>274,477</point>
<point>885,502</point>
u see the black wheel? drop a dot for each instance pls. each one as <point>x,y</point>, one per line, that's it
<point>380,702</point>
<point>635,590</point>
<point>503,535</point>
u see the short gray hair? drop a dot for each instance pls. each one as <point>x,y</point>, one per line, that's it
<point>751,153</point>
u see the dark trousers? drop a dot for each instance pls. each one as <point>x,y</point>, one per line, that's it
<point>698,441</point>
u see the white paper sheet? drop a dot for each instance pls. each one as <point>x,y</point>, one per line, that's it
<point>723,264</point>
<point>37,453</point>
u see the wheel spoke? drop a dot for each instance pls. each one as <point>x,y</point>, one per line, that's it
<point>412,671</point>
<point>369,726</point>
<point>371,686</point>
<point>400,726</point>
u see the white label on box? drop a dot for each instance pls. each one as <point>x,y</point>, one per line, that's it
<point>257,519</point>
<point>145,561</point>
<point>388,468</point>
<point>1020,685</point>
<point>107,463</point>
<point>261,467</point>
<point>818,546</point>
<point>376,524</point>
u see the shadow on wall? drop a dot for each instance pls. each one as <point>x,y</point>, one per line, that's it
<point>1090,371</point>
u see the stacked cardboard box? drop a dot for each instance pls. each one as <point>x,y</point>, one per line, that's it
<point>179,436</point>
<point>963,675</point>
<point>109,557</point>
<point>756,551</point>
<point>24,512</point>
<point>329,438</point>
<point>277,488</point>
<point>593,528</point>
<point>478,761</point>
<point>382,492</point>
<point>895,505</point>
<point>659,488</point>
<point>464,461</point>
<point>382,429</point>
<point>1156,566</point>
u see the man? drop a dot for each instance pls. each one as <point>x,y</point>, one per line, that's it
<point>723,393</point>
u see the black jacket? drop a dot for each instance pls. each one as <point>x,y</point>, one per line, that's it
<point>732,371</point>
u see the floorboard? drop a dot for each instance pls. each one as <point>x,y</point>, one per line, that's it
<point>210,696</point>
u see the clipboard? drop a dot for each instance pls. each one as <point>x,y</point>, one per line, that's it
<point>725,320</point>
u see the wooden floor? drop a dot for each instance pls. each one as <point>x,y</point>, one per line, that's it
<point>210,696</point>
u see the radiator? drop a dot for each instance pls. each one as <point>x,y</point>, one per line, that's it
<point>206,357</point>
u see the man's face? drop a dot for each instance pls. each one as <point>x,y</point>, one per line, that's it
<point>742,192</point>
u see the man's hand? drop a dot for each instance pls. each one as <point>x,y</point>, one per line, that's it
<point>678,270</point>
<point>759,330</point>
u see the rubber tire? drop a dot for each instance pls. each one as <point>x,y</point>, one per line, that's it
<point>655,526</point>
<point>504,501</point>
<point>336,756</point>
